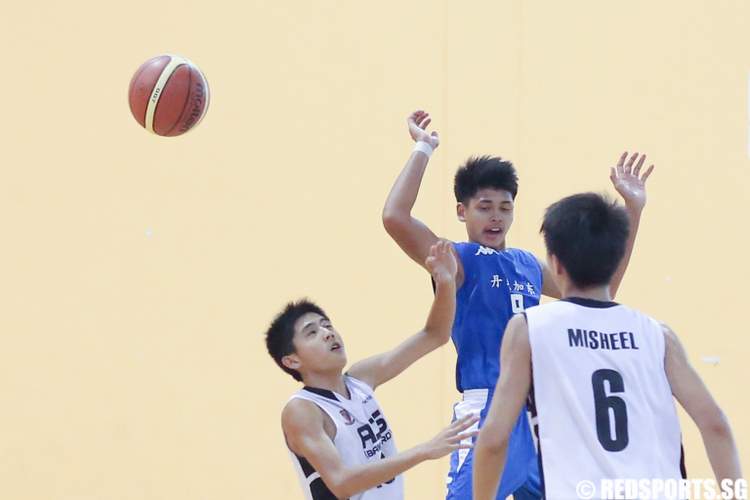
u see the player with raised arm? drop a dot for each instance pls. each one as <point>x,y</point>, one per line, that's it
<point>601,376</point>
<point>341,443</point>
<point>494,282</point>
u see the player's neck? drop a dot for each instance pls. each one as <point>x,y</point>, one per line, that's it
<point>330,381</point>
<point>600,293</point>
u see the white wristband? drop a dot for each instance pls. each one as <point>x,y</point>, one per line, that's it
<point>424,147</point>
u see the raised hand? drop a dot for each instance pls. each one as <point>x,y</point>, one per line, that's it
<point>449,439</point>
<point>441,261</point>
<point>629,182</point>
<point>418,122</point>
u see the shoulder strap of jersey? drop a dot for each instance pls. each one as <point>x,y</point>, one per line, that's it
<point>332,409</point>
<point>527,257</point>
<point>466,252</point>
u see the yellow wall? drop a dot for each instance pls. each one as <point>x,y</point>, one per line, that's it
<point>138,273</point>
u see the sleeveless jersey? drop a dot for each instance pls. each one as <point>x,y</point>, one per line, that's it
<point>362,436</point>
<point>497,284</point>
<point>604,404</point>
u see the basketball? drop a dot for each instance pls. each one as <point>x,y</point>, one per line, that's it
<point>168,95</point>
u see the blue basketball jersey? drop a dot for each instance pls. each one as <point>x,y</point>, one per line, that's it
<point>497,284</point>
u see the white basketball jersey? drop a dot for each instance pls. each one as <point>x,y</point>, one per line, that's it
<point>603,402</point>
<point>362,436</point>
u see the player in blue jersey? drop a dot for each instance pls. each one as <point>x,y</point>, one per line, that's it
<point>493,281</point>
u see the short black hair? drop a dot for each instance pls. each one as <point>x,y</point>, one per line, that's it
<point>281,332</point>
<point>484,172</point>
<point>587,233</point>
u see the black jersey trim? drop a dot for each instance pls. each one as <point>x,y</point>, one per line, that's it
<point>598,304</point>
<point>531,407</point>
<point>307,469</point>
<point>322,392</point>
<point>683,469</point>
<point>318,489</point>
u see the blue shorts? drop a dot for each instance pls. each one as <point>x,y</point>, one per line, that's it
<point>521,474</point>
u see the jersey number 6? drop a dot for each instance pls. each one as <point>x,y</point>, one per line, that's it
<point>604,403</point>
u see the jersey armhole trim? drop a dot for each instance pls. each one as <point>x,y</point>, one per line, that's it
<point>324,411</point>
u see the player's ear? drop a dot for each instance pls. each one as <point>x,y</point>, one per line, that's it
<point>461,212</point>
<point>291,361</point>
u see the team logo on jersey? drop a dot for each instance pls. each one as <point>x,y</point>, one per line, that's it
<point>485,251</point>
<point>372,438</point>
<point>348,419</point>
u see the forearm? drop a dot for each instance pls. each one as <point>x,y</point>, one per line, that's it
<point>404,192</point>
<point>365,477</point>
<point>489,462</point>
<point>440,320</point>
<point>722,453</point>
<point>634,215</point>
<point>490,452</point>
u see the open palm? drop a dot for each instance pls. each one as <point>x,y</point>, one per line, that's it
<point>628,180</point>
<point>441,262</point>
<point>418,122</point>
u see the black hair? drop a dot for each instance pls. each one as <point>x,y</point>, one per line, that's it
<point>587,233</point>
<point>484,172</point>
<point>281,332</point>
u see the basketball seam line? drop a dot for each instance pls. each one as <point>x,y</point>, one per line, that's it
<point>173,59</point>
<point>130,90</point>
<point>187,97</point>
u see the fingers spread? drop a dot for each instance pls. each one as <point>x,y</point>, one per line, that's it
<point>638,165</point>
<point>648,172</point>
<point>621,161</point>
<point>463,436</point>
<point>465,422</point>
<point>629,164</point>
<point>467,435</point>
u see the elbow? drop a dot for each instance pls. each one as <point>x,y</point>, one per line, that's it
<point>389,220</point>
<point>438,336</point>
<point>496,447</point>
<point>443,338</point>
<point>392,220</point>
<point>340,489</point>
<point>345,483</point>
<point>717,424</point>
<point>341,492</point>
<point>491,444</point>
<point>344,492</point>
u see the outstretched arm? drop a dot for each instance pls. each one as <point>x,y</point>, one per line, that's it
<point>631,185</point>
<point>411,234</point>
<point>378,369</point>
<point>304,428</point>
<point>512,390</point>
<point>693,395</point>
